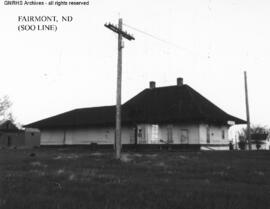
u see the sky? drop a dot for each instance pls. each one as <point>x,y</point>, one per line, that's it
<point>210,43</point>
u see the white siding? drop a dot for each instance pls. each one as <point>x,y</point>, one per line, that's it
<point>197,134</point>
<point>267,144</point>
<point>193,133</point>
<point>203,133</point>
<point>146,133</point>
<point>83,136</point>
<point>52,137</point>
<point>215,133</point>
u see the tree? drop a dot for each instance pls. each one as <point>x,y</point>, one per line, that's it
<point>5,109</point>
<point>258,135</point>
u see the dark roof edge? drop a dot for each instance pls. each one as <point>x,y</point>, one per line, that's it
<point>70,111</point>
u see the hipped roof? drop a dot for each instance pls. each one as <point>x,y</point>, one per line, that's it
<point>172,104</point>
<point>95,116</point>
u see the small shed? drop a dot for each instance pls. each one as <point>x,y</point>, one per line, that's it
<point>11,136</point>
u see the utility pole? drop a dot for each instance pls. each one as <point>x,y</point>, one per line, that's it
<point>247,112</point>
<point>121,34</point>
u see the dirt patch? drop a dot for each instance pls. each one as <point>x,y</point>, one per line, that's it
<point>161,164</point>
<point>151,155</point>
<point>126,158</point>
<point>38,164</point>
<point>60,171</point>
<point>38,172</point>
<point>96,154</point>
<point>183,157</point>
<point>66,156</point>
<point>71,177</point>
<point>138,155</point>
<point>259,173</point>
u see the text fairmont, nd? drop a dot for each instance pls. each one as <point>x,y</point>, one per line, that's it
<point>41,23</point>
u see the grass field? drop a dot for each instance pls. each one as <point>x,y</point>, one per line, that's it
<point>66,178</point>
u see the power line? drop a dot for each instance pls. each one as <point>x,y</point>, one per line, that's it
<point>160,39</point>
<point>168,42</point>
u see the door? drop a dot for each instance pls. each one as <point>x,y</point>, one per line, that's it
<point>133,135</point>
<point>184,136</point>
<point>9,143</point>
<point>170,134</point>
<point>208,135</point>
<point>154,135</point>
<point>141,135</point>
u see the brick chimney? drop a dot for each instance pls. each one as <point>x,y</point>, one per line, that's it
<point>180,81</point>
<point>152,84</point>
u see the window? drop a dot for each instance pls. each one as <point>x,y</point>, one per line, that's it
<point>170,134</point>
<point>141,135</point>
<point>184,136</point>
<point>207,135</point>
<point>223,134</point>
<point>154,137</point>
<point>139,132</point>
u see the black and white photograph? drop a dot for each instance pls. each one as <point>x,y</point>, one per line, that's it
<point>134,104</point>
